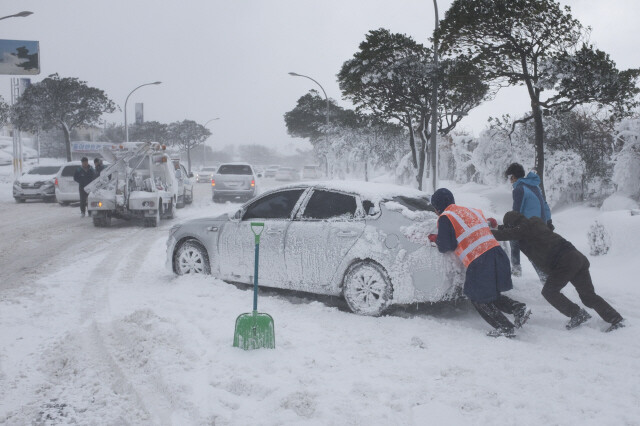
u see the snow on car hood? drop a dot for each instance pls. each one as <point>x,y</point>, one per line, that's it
<point>27,178</point>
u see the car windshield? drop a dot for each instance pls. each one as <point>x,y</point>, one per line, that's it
<point>414,204</point>
<point>208,169</point>
<point>44,170</point>
<point>235,169</point>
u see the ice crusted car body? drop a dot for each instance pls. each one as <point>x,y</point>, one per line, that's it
<point>364,241</point>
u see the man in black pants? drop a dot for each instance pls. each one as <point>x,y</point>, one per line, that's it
<point>84,175</point>
<point>563,263</point>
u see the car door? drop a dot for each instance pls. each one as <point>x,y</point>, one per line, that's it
<point>328,225</point>
<point>237,244</point>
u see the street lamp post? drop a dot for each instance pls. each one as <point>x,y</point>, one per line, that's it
<point>433,151</point>
<point>204,146</point>
<point>327,112</point>
<point>23,14</point>
<point>126,127</point>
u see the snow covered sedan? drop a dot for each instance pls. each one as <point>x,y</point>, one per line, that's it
<point>364,241</point>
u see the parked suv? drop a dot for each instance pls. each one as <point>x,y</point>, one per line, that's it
<point>36,184</point>
<point>66,188</point>
<point>233,181</point>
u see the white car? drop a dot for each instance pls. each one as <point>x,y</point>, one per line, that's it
<point>36,184</point>
<point>366,242</point>
<point>67,190</point>
<point>288,174</point>
<point>205,174</point>
<point>311,172</point>
<point>185,184</point>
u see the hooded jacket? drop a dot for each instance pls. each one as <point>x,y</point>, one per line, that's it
<point>540,244</point>
<point>527,198</point>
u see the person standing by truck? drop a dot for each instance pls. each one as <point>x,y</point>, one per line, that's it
<point>84,175</point>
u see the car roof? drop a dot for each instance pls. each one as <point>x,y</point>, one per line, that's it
<point>372,191</point>
<point>238,163</point>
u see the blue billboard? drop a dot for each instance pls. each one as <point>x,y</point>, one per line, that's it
<point>19,57</point>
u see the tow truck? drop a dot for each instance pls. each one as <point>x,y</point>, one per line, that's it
<point>140,184</point>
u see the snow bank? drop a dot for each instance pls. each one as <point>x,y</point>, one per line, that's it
<point>619,201</point>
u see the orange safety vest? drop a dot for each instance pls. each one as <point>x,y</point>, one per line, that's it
<point>472,232</point>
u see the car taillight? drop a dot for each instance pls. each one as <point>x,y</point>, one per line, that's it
<point>253,183</point>
<point>213,182</point>
<point>55,182</point>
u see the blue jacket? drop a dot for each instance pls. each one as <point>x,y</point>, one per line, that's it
<point>527,198</point>
<point>487,276</point>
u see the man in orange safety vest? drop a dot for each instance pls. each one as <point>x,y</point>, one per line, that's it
<point>466,232</point>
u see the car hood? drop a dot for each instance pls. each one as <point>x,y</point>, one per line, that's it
<point>202,220</point>
<point>26,178</point>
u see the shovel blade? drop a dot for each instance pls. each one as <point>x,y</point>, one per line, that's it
<point>254,331</point>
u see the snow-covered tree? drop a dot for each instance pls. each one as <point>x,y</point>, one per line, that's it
<point>4,112</point>
<point>64,103</point>
<point>186,135</point>
<point>626,172</point>
<point>537,44</point>
<point>565,174</point>
<point>599,239</point>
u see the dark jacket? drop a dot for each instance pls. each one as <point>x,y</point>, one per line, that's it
<point>84,177</point>
<point>540,244</point>
<point>99,168</point>
<point>527,198</point>
<point>487,276</point>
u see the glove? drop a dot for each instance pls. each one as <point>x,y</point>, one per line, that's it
<point>550,225</point>
<point>433,237</point>
<point>492,223</point>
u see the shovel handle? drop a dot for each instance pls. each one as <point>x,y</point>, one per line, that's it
<point>257,234</point>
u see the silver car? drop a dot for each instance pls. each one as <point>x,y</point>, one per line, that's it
<point>363,241</point>
<point>233,181</point>
<point>205,174</point>
<point>36,184</point>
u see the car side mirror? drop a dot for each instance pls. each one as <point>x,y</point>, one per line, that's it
<point>238,215</point>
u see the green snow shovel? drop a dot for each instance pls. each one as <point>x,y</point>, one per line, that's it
<point>255,330</point>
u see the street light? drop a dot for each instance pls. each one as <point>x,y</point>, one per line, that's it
<point>327,112</point>
<point>23,14</point>
<point>126,127</point>
<point>204,146</point>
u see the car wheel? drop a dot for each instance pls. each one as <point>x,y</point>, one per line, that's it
<point>63,203</point>
<point>191,258</point>
<point>180,202</point>
<point>189,200</point>
<point>367,288</point>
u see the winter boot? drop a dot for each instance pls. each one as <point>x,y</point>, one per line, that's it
<point>618,323</point>
<point>520,316</point>
<point>506,332</point>
<point>516,270</point>
<point>579,318</point>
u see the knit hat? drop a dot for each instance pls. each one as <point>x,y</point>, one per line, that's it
<point>441,199</point>
<point>512,218</point>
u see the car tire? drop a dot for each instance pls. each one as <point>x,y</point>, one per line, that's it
<point>191,258</point>
<point>180,202</point>
<point>367,289</point>
<point>188,200</point>
<point>64,203</point>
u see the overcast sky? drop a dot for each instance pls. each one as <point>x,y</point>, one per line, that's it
<point>230,59</point>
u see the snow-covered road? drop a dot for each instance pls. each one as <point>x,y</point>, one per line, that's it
<point>94,330</point>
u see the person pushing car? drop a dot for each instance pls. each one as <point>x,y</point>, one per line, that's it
<point>465,231</point>
<point>562,263</point>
